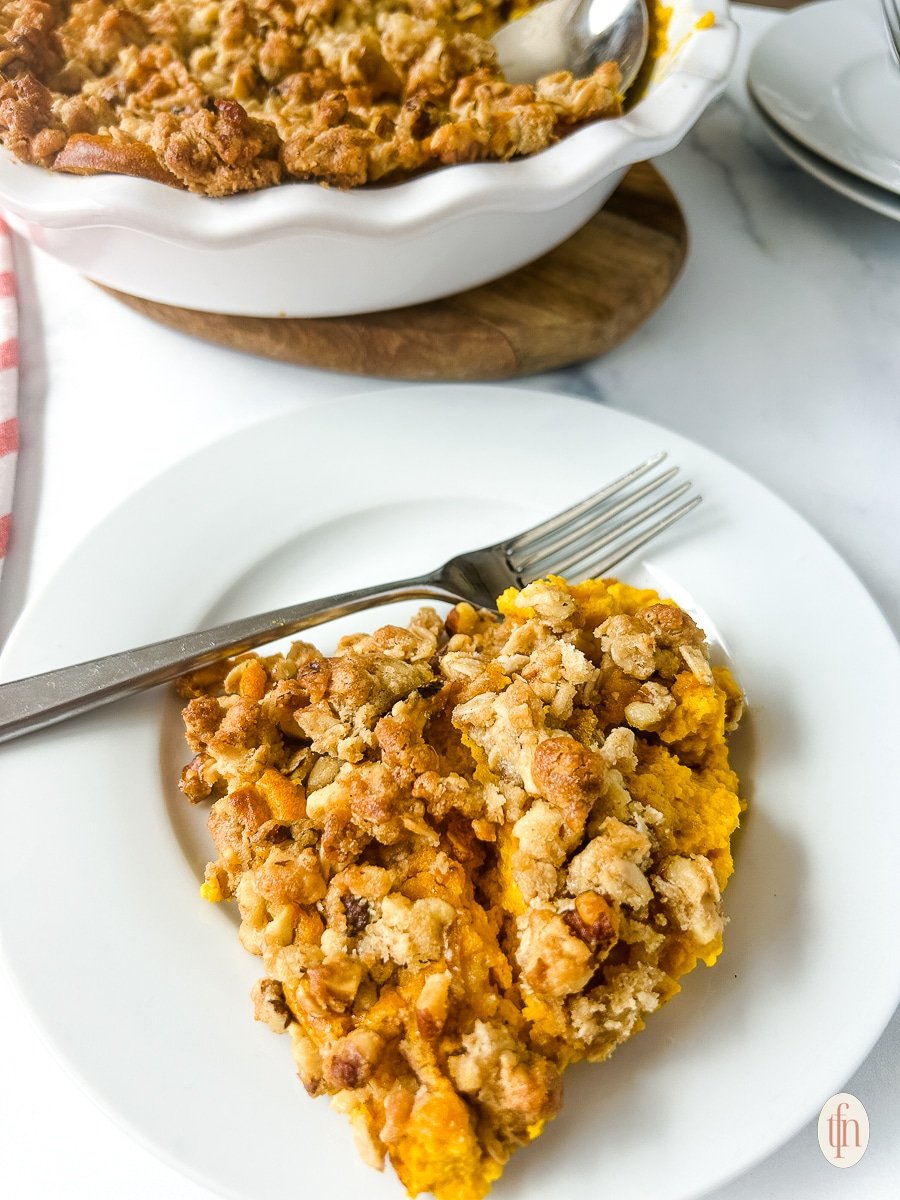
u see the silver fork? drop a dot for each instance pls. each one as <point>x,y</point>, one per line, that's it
<point>891,11</point>
<point>585,540</point>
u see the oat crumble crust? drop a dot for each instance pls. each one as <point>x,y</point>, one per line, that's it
<point>233,96</point>
<point>469,853</point>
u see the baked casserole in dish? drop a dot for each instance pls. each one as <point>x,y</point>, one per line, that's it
<point>466,176</point>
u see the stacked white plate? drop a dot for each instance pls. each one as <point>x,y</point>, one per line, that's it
<point>828,92</point>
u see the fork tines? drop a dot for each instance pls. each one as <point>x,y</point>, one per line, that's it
<point>891,12</point>
<point>591,537</point>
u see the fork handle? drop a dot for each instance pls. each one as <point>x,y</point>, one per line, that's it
<point>39,700</point>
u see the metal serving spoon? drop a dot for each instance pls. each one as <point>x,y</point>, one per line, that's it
<point>574,35</point>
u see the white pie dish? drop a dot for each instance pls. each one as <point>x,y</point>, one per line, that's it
<point>303,250</point>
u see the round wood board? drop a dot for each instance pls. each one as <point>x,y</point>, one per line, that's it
<point>575,303</point>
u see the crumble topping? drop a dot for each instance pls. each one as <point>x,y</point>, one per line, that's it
<point>235,95</point>
<point>468,854</point>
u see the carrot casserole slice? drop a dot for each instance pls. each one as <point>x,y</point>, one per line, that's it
<point>470,852</point>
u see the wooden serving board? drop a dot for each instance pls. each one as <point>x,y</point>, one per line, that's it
<point>575,303</point>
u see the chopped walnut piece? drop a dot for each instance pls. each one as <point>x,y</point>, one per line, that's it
<point>516,1087</point>
<point>288,875</point>
<point>432,1004</point>
<point>674,629</point>
<point>307,1058</point>
<point>408,932</point>
<point>610,864</point>
<point>352,1059</point>
<point>270,1006</point>
<point>651,705</point>
<point>540,833</point>
<point>618,749</point>
<point>630,644</point>
<point>333,985</point>
<point>553,959</point>
<point>569,775</point>
<point>691,896</point>
<point>595,921</point>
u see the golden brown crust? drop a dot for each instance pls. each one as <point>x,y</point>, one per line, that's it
<point>569,775</point>
<point>460,873</point>
<point>237,95</point>
<point>90,154</point>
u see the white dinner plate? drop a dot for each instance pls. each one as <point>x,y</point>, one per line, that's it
<point>825,75</point>
<point>142,988</point>
<point>878,199</point>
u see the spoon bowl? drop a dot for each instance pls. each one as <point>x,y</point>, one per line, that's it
<point>576,36</point>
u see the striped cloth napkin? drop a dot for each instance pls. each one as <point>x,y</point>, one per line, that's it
<point>9,364</point>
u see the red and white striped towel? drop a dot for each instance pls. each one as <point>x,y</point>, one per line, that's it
<point>9,377</point>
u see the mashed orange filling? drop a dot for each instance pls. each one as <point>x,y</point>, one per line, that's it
<point>470,852</point>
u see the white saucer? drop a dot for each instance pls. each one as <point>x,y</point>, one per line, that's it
<point>878,199</point>
<point>825,75</point>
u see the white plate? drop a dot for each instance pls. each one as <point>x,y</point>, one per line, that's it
<point>878,199</point>
<point>143,989</point>
<point>825,75</point>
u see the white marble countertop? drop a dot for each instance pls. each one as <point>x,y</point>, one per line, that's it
<point>777,349</point>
